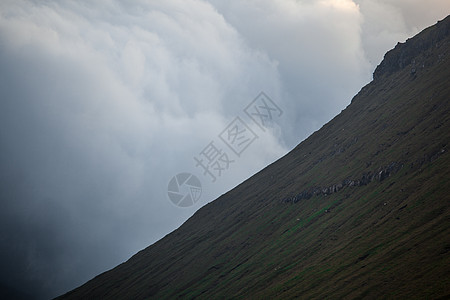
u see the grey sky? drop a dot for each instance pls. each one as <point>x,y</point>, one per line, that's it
<point>102,103</point>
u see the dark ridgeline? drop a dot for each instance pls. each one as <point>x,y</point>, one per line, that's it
<point>359,209</point>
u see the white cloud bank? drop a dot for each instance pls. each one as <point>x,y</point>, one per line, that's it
<point>101,103</point>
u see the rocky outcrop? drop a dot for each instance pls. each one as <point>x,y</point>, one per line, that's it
<point>366,178</point>
<point>405,54</point>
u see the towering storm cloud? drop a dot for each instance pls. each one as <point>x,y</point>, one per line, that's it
<point>102,103</point>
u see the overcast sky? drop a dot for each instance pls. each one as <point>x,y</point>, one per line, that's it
<point>103,102</point>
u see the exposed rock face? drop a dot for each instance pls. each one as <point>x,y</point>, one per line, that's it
<point>366,178</point>
<point>404,54</point>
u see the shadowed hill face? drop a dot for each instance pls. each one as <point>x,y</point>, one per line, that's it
<point>359,209</point>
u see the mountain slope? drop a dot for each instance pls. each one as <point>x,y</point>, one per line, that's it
<point>359,209</point>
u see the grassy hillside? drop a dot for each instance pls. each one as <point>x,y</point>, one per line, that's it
<point>359,209</point>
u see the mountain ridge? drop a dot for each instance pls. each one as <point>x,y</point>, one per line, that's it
<point>404,53</point>
<point>382,235</point>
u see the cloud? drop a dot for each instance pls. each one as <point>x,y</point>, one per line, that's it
<point>299,36</point>
<point>102,103</point>
<point>97,101</point>
<point>387,22</point>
